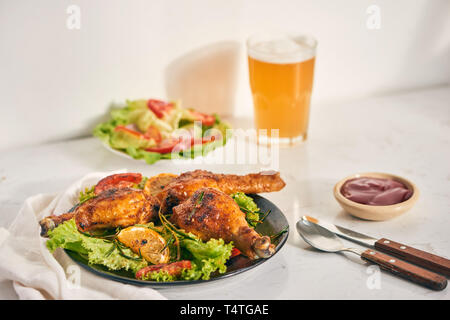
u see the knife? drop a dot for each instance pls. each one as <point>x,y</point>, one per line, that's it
<point>421,258</point>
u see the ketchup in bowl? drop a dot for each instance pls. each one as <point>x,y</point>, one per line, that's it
<point>375,191</point>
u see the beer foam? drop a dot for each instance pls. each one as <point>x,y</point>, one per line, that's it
<point>282,50</point>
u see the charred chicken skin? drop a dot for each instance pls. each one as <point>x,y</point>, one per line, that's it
<point>116,208</point>
<point>211,213</point>
<point>184,186</point>
<point>116,204</point>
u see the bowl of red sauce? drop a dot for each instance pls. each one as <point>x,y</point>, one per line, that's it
<point>376,196</point>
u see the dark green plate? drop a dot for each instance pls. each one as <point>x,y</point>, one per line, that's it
<point>274,223</point>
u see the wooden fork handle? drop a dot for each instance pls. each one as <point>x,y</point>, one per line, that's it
<point>421,258</point>
<point>406,270</point>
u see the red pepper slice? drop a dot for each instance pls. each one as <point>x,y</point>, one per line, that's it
<point>130,131</point>
<point>174,268</point>
<point>206,119</point>
<point>159,108</point>
<point>153,133</point>
<point>118,181</point>
<point>168,145</point>
<point>235,252</point>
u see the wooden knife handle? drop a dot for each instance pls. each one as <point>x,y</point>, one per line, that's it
<point>406,270</point>
<point>421,258</point>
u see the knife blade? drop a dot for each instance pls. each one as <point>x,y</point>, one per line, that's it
<point>344,232</point>
<point>402,251</point>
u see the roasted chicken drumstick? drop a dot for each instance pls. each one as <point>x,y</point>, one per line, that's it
<point>184,186</point>
<point>116,204</point>
<point>111,208</point>
<point>116,208</point>
<point>210,213</point>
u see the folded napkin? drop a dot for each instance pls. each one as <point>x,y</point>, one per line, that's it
<point>36,273</point>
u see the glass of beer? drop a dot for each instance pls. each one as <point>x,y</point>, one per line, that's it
<point>281,69</point>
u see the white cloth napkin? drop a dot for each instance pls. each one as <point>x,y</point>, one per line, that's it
<point>36,273</point>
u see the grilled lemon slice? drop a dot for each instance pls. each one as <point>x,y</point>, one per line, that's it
<point>156,184</point>
<point>146,242</point>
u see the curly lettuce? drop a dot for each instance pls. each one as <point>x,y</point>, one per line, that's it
<point>149,157</point>
<point>207,257</point>
<point>87,194</point>
<point>160,276</point>
<point>249,207</point>
<point>96,250</point>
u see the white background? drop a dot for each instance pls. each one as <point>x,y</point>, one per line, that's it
<point>57,83</point>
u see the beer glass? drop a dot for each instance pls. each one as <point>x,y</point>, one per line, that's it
<point>281,70</point>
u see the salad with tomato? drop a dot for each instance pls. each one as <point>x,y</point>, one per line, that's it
<point>154,129</point>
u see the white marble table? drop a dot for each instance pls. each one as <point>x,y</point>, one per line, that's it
<point>407,134</point>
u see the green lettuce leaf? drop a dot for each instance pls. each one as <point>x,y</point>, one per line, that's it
<point>206,257</point>
<point>123,139</point>
<point>161,276</point>
<point>119,117</point>
<point>97,251</point>
<point>87,194</point>
<point>248,206</point>
<point>149,157</point>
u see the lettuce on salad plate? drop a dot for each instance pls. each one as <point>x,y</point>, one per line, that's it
<point>155,129</point>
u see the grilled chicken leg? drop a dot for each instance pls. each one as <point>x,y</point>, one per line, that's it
<point>182,187</point>
<point>111,208</point>
<point>211,213</point>
<point>116,208</point>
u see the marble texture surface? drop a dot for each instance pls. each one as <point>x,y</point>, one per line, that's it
<point>406,134</point>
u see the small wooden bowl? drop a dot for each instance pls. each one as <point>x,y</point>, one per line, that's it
<point>376,213</point>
